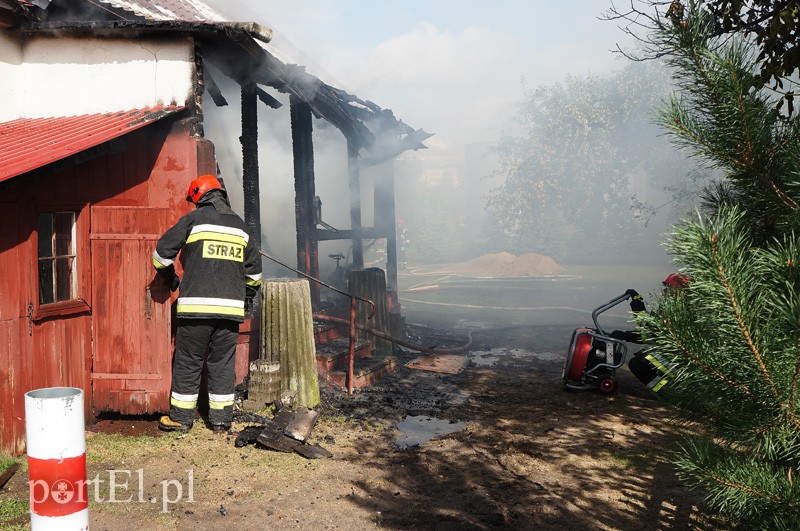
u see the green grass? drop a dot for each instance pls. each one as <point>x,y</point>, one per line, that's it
<point>107,448</point>
<point>6,461</point>
<point>14,513</point>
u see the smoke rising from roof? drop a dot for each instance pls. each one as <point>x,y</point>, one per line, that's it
<point>455,73</point>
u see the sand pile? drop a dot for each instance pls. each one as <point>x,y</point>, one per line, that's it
<point>507,265</point>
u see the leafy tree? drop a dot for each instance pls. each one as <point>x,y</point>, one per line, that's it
<point>775,27</point>
<point>772,26</point>
<point>733,337</point>
<point>569,168</point>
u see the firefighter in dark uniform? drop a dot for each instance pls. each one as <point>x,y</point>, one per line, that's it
<point>221,276</point>
<point>646,365</point>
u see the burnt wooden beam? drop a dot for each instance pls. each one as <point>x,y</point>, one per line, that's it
<point>365,233</point>
<point>411,141</point>
<point>384,218</point>
<point>213,89</point>
<point>354,183</point>
<point>267,99</point>
<point>9,472</point>
<point>250,177</point>
<point>304,191</point>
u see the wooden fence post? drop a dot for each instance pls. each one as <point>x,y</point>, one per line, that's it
<point>288,336</point>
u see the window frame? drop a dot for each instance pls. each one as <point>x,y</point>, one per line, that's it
<point>80,303</point>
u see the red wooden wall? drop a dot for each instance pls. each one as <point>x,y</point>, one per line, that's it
<point>126,198</point>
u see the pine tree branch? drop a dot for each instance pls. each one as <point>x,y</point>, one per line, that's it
<point>683,129</point>
<point>700,69</point>
<point>795,378</point>
<point>703,365</point>
<point>785,199</point>
<point>747,159</point>
<point>732,300</point>
<point>745,488</point>
<point>748,156</point>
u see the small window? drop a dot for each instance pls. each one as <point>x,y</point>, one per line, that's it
<point>57,259</point>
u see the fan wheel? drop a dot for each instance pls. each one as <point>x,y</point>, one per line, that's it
<point>607,385</point>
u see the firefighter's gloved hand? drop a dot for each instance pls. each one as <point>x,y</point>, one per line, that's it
<point>637,304</point>
<point>171,278</point>
<point>248,307</point>
<point>630,336</point>
<point>175,282</point>
<point>619,334</point>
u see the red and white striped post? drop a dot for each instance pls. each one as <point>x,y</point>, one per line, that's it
<point>56,442</point>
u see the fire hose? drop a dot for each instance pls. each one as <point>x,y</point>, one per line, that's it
<point>377,333</point>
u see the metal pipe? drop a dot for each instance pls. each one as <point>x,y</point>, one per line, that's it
<point>337,290</point>
<point>353,326</point>
<point>607,306</point>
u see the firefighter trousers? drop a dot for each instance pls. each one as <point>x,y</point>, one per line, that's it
<point>193,340</point>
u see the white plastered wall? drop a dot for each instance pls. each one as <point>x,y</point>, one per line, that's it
<point>10,60</point>
<point>66,76</point>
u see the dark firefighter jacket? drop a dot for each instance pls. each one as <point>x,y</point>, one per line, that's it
<point>221,265</point>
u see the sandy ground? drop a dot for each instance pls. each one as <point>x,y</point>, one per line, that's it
<point>521,452</point>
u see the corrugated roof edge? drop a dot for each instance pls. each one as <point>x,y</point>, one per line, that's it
<point>167,9</point>
<point>27,144</point>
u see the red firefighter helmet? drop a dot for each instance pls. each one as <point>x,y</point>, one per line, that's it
<point>674,280</point>
<point>201,185</point>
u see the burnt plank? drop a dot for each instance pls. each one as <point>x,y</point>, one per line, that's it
<point>312,451</point>
<point>278,441</point>
<point>248,435</point>
<point>301,424</point>
<point>9,472</point>
<point>280,421</point>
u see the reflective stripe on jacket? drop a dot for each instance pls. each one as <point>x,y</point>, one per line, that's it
<point>221,265</point>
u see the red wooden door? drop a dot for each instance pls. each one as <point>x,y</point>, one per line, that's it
<point>132,347</point>
<point>15,364</point>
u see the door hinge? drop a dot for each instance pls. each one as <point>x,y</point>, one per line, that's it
<point>148,303</point>
<point>30,319</point>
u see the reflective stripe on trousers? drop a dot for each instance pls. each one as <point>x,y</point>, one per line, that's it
<point>193,338</point>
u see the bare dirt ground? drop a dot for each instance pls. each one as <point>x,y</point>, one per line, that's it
<point>531,456</point>
<point>525,454</point>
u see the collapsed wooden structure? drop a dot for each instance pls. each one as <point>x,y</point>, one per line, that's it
<point>101,130</point>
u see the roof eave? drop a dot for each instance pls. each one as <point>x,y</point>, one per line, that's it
<point>219,40</point>
<point>236,30</point>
